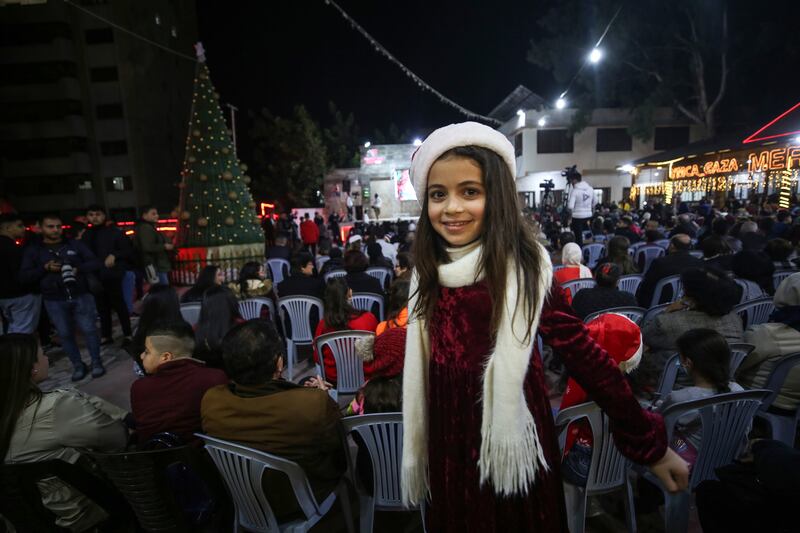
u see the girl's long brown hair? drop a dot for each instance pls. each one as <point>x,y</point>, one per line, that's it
<point>18,353</point>
<point>506,236</point>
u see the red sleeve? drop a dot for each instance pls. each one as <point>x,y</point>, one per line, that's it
<point>319,331</point>
<point>366,322</point>
<point>639,434</point>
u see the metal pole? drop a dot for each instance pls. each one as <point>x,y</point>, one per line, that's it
<point>233,110</point>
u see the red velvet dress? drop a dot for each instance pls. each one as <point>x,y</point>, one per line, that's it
<point>459,347</point>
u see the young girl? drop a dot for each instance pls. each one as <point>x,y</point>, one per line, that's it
<point>478,439</point>
<point>706,357</point>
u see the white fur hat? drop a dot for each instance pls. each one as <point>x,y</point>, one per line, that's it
<point>452,136</point>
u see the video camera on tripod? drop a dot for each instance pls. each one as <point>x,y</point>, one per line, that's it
<point>571,173</point>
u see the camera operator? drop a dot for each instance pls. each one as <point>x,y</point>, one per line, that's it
<point>580,203</point>
<point>60,266</point>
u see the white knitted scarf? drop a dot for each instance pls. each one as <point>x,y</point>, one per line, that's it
<point>510,453</point>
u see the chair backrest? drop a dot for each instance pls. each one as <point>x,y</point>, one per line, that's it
<point>669,375</point>
<point>592,253</point>
<point>739,352</point>
<point>750,290</point>
<point>191,312</point>
<point>630,283</point>
<point>575,285</point>
<point>654,312</point>
<point>242,469</point>
<point>321,260</point>
<point>382,434</point>
<point>725,419</point>
<point>349,365</point>
<point>781,275</point>
<point>675,285</point>
<point>278,269</point>
<point>599,238</point>
<point>298,310</point>
<point>382,274</point>
<point>366,301</point>
<point>251,308</point>
<point>338,273</point>
<point>636,314</point>
<point>664,243</point>
<point>755,312</point>
<point>696,253</point>
<point>645,256</point>
<point>608,469</point>
<point>142,478</point>
<point>777,377</point>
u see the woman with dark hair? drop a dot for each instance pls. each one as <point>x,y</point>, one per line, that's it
<point>708,300</point>
<point>339,315</point>
<point>717,252</point>
<point>38,426</point>
<point>218,314</point>
<point>779,251</point>
<point>618,254</point>
<point>334,263</point>
<point>405,265</point>
<point>605,295</point>
<point>376,257</point>
<point>160,305</point>
<point>210,276</point>
<point>397,306</point>
<point>252,282</point>
<point>356,264</point>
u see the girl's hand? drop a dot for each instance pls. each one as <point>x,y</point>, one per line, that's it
<point>672,471</point>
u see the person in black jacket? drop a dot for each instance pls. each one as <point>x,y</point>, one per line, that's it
<point>675,262</point>
<point>60,266</point>
<point>115,250</point>
<point>356,263</point>
<point>280,250</point>
<point>334,263</point>
<point>302,281</point>
<point>20,304</point>
<point>605,295</point>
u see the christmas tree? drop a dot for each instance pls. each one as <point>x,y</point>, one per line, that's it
<point>216,208</point>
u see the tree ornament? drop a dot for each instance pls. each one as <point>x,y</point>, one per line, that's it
<point>191,159</point>
<point>216,95</point>
<point>229,221</point>
<point>202,222</point>
<point>181,185</point>
<point>233,195</point>
<point>244,167</point>
<point>247,179</point>
<point>257,219</point>
<point>251,204</point>
<point>203,177</point>
<point>225,150</point>
<point>196,133</point>
<point>186,215</point>
<point>227,175</point>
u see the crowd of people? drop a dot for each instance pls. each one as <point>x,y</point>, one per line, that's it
<point>471,286</point>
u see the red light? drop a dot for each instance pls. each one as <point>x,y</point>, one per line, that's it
<point>753,138</point>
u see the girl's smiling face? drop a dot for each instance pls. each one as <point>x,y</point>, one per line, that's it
<point>456,199</point>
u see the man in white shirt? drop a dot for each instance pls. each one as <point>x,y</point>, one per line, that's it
<point>377,203</point>
<point>580,203</point>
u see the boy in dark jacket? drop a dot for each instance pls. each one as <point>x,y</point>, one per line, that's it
<point>20,304</point>
<point>60,267</point>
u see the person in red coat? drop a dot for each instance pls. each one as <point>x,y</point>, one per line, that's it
<point>479,441</point>
<point>168,398</point>
<point>309,234</point>
<point>339,315</point>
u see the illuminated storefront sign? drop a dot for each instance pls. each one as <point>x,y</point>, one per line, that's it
<point>721,166</point>
<point>775,159</point>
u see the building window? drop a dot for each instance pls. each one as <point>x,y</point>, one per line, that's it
<point>118,183</point>
<point>109,148</point>
<point>108,111</point>
<point>671,137</point>
<point>553,141</point>
<point>613,140</point>
<point>99,36</point>
<point>101,74</point>
<point>518,144</point>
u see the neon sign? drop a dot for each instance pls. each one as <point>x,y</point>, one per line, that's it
<point>721,166</point>
<point>372,157</point>
<point>775,159</point>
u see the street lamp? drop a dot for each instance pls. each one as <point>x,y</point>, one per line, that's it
<point>542,122</point>
<point>561,103</point>
<point>595,56</point>
<point>367,144</point>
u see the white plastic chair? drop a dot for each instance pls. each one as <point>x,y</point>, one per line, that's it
<point>630,283</point>
<point>739,352</point>
<point>607,473</point>
<point>633,248</point>
<point>382,435</point>
<point>191,312</point>
<point>278,269</point>
<point>636,314</point>
<point>365,301</point>
<point>242,468</point>
<point>783,427</point>
<point>382,274</point>
<point>645,256</point>
<point>725,420</point>
<point>298,311</point>
<point>575,285</point>
<point>321,260</point>
<point>599,238</point>
<point>349,365</point>
<point>755,312</point>
<point>251,308</point>
<point>696,253</point>
<point>781,275</point>
<point>750,290</point>
<point>654,312</point>
<point>664,243</point>
<point>334,274</point>
<point>669,375</point>
<point>592,254</point>
<point>674,282</point>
